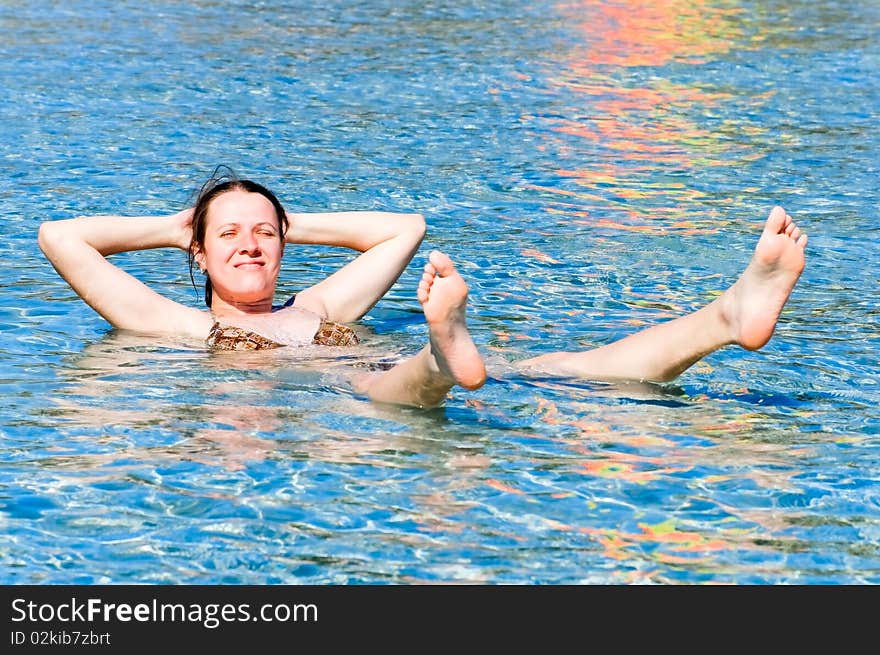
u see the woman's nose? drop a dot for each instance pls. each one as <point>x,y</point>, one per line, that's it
<point>249,244</point>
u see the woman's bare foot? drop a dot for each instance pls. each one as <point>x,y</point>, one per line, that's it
<point>443,295</point>
<point>751,307</point>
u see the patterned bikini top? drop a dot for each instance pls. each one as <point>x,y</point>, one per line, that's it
<point>229,337</point>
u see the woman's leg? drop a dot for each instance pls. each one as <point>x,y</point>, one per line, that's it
<point>449,359</point>
<point>745,314</point>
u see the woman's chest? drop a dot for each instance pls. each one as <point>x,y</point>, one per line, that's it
<point>288,326</point>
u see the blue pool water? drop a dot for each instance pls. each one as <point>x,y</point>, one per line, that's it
<point>593,167</point>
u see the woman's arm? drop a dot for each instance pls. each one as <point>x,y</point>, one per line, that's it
<point>78,248</point>
<point>388,242</point>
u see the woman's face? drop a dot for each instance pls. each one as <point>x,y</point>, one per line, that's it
<point>243,247</point>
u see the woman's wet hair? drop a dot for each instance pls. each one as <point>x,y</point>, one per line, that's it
<point>223,179</point>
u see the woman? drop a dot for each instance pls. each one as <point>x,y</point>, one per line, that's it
<point>236,234</point>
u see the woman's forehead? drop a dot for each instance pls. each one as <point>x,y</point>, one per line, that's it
<point>238,206</point>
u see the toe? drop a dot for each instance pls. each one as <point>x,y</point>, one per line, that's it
<point>442,263</point>
<point>776,220</point>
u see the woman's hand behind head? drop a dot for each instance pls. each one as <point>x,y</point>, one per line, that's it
<point>183,228</point>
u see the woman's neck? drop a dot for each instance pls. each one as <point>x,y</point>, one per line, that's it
<point>220,307</point>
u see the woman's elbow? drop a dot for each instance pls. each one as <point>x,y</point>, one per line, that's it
<point>48,237</point>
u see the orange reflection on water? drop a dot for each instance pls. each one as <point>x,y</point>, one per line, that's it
<point>636,125</point>
<point>640,33</point>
